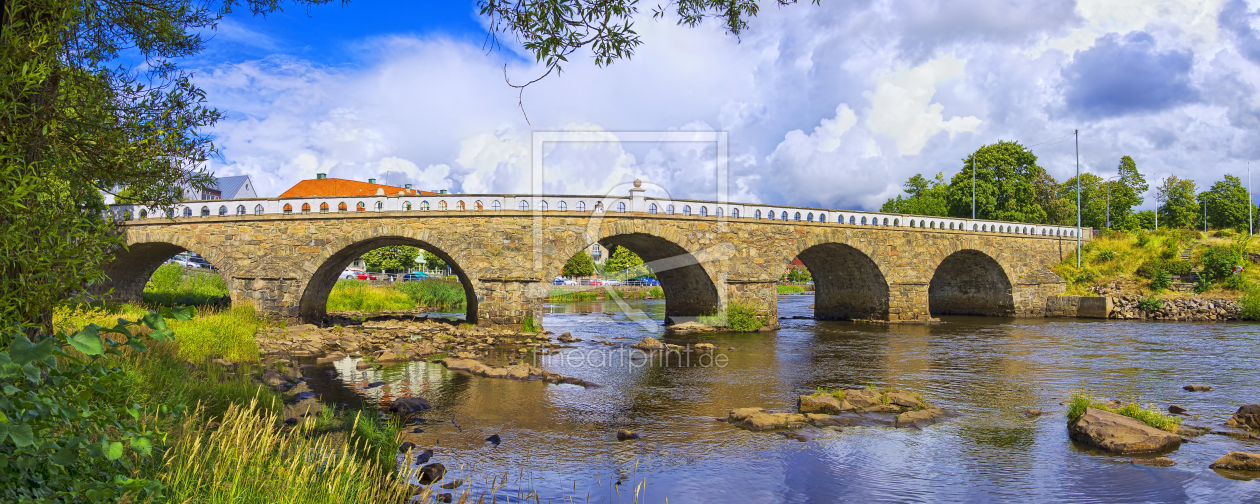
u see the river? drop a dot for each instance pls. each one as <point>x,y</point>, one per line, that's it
<point>559,442</point>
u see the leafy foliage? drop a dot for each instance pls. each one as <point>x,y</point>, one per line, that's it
<point>1161,280</point>
<point>1150,268</point>
<point>57,444</point>
<point>924,197</point>
<point>624,265</point>
<point>1219,262</point>
<point>741,318</point>
<point>1006,176</point>
<point>432,261</point>
<point>1227,204</point>
<point>580,265</point>
<point>1150,304</point>
<point>172,285</point>
<point>1177,205</point>
<point>394,258</point>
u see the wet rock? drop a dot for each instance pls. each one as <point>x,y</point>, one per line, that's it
<point>1247,417</point>
<point>332,357</point>
<point>431,473</point>
<point>649,343</point>
<point>424,456</point>
<point>407,445</point>
<point>453,485</point>
<point>1238,461</point>
<point>305,407</point>
<point>417,430</point>
<point>568,338</point>
<point>690,327</point>
<point>1119,433</point>
<point>624,435</point>
<point>804,434</point>
<point>1176,410</point>
<point>374,385</point>
<point>523,372</point>
<point>862,398</point>
<point>919,418</point>
<point>290,421</point>
<point>409,405</point>
<point>270,377</point>
<point>759,419</point>
<point>363,365</point>
<point>822,403</point>
<point>446,497</point>
<point>1197,388</point>
<point>1031,412</point>
<point>1155,462</point>
<point>494,439</point>
<point>704,347</point>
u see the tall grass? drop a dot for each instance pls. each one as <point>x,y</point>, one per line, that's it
<point>355,295</point>
<point>248,459</point>
<point>565,295</point>
<point>226,333</point>
<point>789,289</point>
<point>172,284</point>
<point>434,293</point>
<point>1080,400</point>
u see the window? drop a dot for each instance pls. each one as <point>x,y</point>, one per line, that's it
<point>951,226</point>
<point>562,206</point>
<point>341,207</point>
<point>734,213</point>
<point>851,219</point>
<point>424,206</point>
<point>258,210</point>
<point>621,206</point>
<point>306,208</point>
<point>669,210</point>
<point>686,209</point>
<point>460,205</point>
<point>406,207</point>
<point>897,222</point>
<point>496,206</point>
<point>205,211</point>
<point>442,206</point>
<point>380,205</point>
<point>360,207</point>
<point>323,207</point>
<point>932,225</point>
<point>704,212</point>
<point>784,215</point>
<point>599,206</point>
<point>717,212</point>
<point>523,206</point>
<point>885,221</point>
<point>223,210</point>
<point>822,217</point>
<point>809,217</point>
<point>757,214</point>
<point>652,208</point>
<point>126,215</point>
<point>797,216</point>
<point>288,209</point>
<point>144,214</point>
<point>479,206</point>
<point>863,221</point>
<point>542,206</point>
<point>581,206</point>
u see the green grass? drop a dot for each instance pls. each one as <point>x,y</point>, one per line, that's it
<point>737,317</point>
<point>1151,415</point>
<point>355,295</point>
<point>442,294</point>
<point>789,289</point>
<point>226,333</point>
<point>528,325</point>
<point>172,284</point>
<point>561,295</point>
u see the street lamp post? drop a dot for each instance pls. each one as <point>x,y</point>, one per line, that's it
<point>973,186</point>
<point>1078,197</point>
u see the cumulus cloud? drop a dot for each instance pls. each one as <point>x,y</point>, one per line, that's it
<point>1128,74</point>
<point>902,106</point>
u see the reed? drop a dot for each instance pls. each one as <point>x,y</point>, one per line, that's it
<point>1152,416</point>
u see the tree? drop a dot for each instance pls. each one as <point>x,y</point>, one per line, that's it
<point>1093,200</point>
<point>1006,175</point>
<point>1142,220</point>
<point>623,264</point>
<point>1126,193</point>
<point>432,261</point>
<point>1178,206</point>
<point>394,258</point>
<point>924,197</point>
<point>580,265</point>
<point>1226,204</point>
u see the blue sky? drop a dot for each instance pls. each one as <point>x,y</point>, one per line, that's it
<point>832,105</point>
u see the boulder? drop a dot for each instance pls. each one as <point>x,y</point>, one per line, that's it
<point>333,357</point>
<point>1119,433</point>
<point>919,418</point>
<point>1176,410</point>
<point>1197,388</point>
<point>1031,412</point>
<point>759,419</point>
<point>804,434</point>
<point>305,407</point>
<point>431,473</point>
<point>704,347</point>
<point>862,398</point>
<point>409,405</point>
<point>362,365</point>
<point>904,400</point>
<point>1238,461</point>
<point>1156,462</point>
<point>648,343</point>
<point>625,434</point>
<point>568,338</point>
<point>1247,417</point>
<point>821,403</point>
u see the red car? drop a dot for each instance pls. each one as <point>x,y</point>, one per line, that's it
<point>366,276</point>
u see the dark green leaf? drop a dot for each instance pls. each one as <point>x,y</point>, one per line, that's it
<point>88,341</point>
<point>22,350</point>
<point>114,451</point>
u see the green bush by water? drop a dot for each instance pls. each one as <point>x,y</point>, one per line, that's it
<point>789,289</point>
<point>742,318</point>
<point>434,293</point>
<point>173,285</point>
<point>1151,416</point>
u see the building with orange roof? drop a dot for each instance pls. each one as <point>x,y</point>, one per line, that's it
<point>322,186</point>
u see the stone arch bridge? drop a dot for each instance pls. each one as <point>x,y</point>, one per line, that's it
<point>506,250</point>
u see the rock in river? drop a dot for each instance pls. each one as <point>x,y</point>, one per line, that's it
<point>1197,388</point>
<point>522,372</point>
<point>759,419</point>
<point>862,398</point>
<point>649,343</point>
<point>1238,461</point>
<point>1247,417</point>
<point>431,473</point>
<point>625,435</point>
<point>1157,462</point>
<point>823,403</point>
<point>1119,433</point>
<point>1176,409</point>
<point>919,418</point>
<point>409,405</point>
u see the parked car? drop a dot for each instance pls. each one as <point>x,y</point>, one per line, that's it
<point>413,276</point>
<point>363,275</point>
<point>612,282</point>
<point>652,282</point>
<point>200,262</point>
<point>350,274</point>
<point>183,260</point>
<point>591,281</point>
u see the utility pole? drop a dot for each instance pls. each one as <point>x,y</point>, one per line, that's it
<point>1250,225</point>
<point>973,186</point>
<point>1078,197</point>
<point>1205,212</point>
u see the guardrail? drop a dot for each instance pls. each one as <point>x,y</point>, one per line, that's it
<point>593,204</point>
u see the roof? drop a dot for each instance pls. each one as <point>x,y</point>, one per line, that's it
<point>230,185</point>
<point>333,187</point>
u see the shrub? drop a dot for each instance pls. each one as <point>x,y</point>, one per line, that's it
<point>528,325</point>
<point>1161,280</point>
<point>1143,238</point>
<point>1151,416</point>
<point>1234,283</point>
<point>742,318</point>
<point>1150,304</point>
<point>1203,284</point>
<point>1149,268</point>
<point>1250,303</point>
<point>1106,255</point>
<point>1219,262</point>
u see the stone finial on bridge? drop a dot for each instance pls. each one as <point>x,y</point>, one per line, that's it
<point>637,204</point>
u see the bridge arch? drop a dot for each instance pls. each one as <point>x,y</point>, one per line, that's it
<point>971,282</point>
<point>848,284</point>
<point>336,256</point>
<point>132,267</point>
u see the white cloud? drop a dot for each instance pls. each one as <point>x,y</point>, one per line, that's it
<point>902,105</point>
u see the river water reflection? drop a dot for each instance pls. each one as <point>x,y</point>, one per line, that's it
<point>560,441</point>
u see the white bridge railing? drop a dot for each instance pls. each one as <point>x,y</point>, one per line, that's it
<point>636,202</point>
